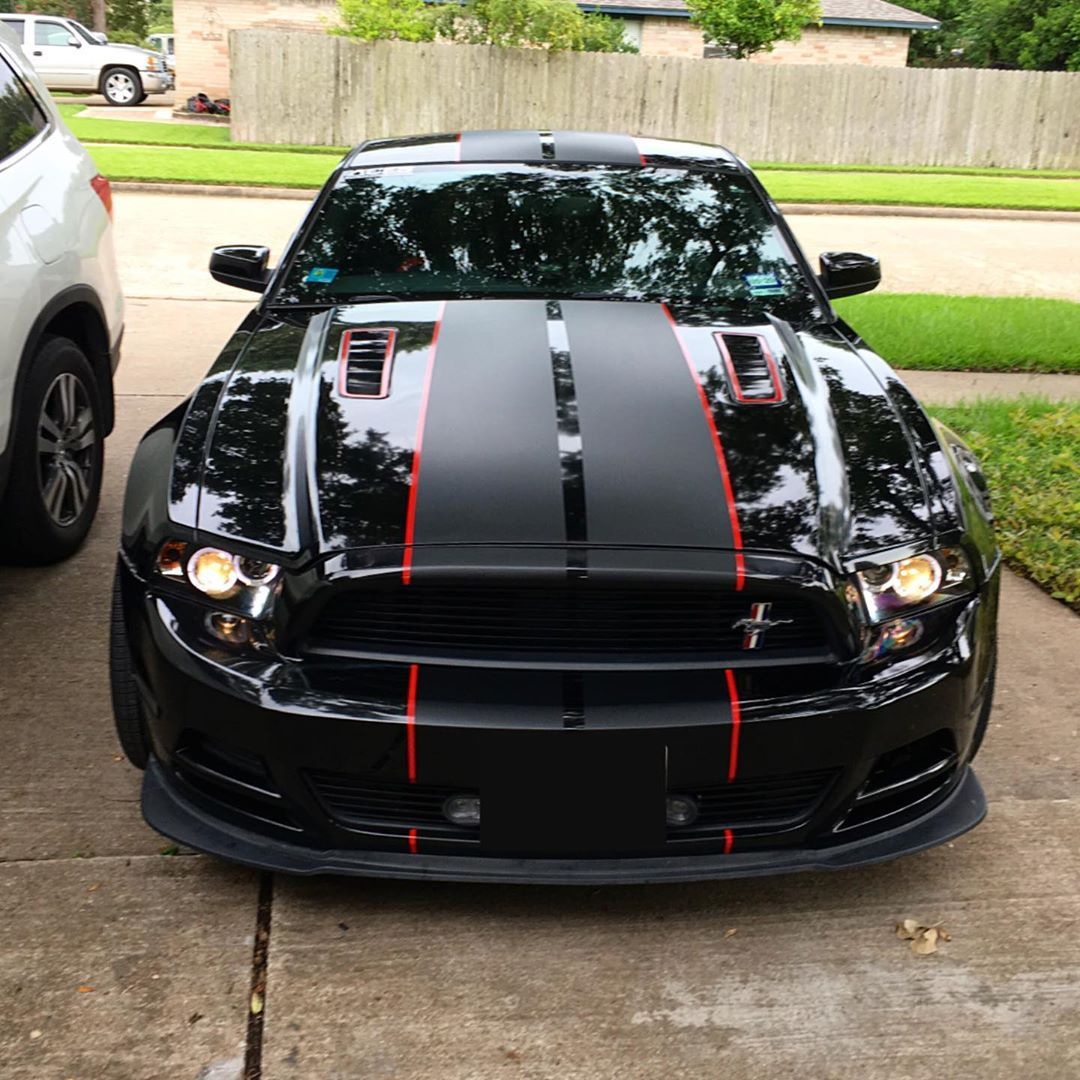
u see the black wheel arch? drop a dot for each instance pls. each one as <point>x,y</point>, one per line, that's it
<point>76,313</point>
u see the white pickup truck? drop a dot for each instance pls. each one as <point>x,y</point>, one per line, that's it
<point>68,56</point>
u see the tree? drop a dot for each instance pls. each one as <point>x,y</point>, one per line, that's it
<point>557,25</point>
<point>1033,34</point>
<point>744,27</point>
<point>400,20</point>
<point>128,19</point>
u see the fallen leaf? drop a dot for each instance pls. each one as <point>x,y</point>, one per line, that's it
<point>118,757</point>
<point>256,1003</point>
<point>84,989</point>
<point>195,1017</point>
<point>907,929</point>
<point>731,932</point>
<point>36,1033</point>
<point>925,942</point>
<point>170,849</point>
<point>94,887</point>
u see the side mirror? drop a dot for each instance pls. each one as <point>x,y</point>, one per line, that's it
<point>99,37</point>
<point>846,273</point>
<point>241,265</point>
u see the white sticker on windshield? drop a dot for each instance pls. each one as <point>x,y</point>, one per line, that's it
<point>382,170</point>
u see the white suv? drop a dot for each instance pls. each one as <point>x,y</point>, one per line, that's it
<point>61,319</point>
<point>67,56</point>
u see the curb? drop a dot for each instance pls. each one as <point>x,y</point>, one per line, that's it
<point>234,191</point>
<point>239,191</point>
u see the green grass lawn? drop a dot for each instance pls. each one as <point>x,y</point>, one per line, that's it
<point>1028,449</point>
<point>264,168</point>
<point>923,189</point>
<point>968,333</point>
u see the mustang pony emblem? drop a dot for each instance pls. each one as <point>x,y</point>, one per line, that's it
<point>754,627</point>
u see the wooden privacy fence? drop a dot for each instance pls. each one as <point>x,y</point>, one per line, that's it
<point>311,88</point>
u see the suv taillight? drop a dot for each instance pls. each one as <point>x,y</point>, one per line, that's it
<point>104,192</point>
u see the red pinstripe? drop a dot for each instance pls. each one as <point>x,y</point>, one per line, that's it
<point>729,841</point>
<point>736,722</point>
<point>413,846</point>
<point>410,722</point>
<point>414,478</point>
<point>718,450</point>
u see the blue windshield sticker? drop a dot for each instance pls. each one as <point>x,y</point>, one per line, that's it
<point>323,274</point>
<point>763,284</point>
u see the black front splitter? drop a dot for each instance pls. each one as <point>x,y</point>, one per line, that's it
<point>170,813</point>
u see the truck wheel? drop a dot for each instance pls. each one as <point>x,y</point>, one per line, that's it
<point>127,713</point>
<point>59,453</point>
<point>121,86</point>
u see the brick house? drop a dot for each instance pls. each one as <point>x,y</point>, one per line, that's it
<point>852,32</point>
<point>871,32</point>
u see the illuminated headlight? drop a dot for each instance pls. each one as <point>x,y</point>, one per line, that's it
<point>918,581</point>
<point>217,573</point>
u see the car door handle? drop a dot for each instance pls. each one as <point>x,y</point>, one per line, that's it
<point>38,53</point>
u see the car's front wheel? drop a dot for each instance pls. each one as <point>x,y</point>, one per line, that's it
<point>122,86</point>
<point>127,712</point>
<point>55,482</point>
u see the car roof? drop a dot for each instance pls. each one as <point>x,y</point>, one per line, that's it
<point>547,147</point>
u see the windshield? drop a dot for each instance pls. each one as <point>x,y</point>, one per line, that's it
<point>560,231</point>
<point>78,26</point>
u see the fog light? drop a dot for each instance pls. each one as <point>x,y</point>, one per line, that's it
<point>213,572</point>
<point>681,811</point>
<point>232,629</point>
<point>463,810</point>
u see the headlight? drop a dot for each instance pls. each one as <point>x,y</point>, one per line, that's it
<point>151,63</point>
<point>217,573</point>
<point>918,581</point>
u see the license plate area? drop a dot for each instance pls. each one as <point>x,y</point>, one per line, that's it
<point>572,792</point>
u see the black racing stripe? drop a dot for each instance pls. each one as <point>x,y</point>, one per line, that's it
<point>501,146</point>
<point>653,476</point>
<point>490,469</point>
<point>566,412</point>
<point>595,148</point>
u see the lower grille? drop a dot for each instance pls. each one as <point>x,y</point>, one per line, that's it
<point>768,803</point>
<point>377,806</point>
<point>585,621</point>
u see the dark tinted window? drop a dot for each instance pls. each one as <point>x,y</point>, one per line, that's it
<point>634,233</point>
<point>20,118</point>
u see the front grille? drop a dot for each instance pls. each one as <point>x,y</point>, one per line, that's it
<point>586,621</point>
<point>379,806</point>
<point>768,803</point>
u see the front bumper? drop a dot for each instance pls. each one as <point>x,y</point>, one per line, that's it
<point>166,809</point>
<point>157,82</point>
<point>342,766</point>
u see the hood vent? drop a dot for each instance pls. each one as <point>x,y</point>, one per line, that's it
<point>751,370</point>
<point>364,363</point>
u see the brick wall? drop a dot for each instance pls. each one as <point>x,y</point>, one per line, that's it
<point>874,46</point>
<point>202,35</point>
<point>880,47</point>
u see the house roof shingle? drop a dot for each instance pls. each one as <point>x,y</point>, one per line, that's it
<point>833,12</point>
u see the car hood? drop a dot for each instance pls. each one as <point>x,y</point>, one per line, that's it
<point>525,422</point>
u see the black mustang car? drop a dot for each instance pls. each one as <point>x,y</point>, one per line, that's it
<point>543,522</point>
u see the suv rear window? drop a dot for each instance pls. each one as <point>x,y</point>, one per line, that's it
<point>20,117</point>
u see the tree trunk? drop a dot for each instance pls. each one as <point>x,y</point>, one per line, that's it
<point>97,8</point>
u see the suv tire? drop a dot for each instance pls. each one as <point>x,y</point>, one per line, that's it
<point>122,86</point>
<point>58,453</point>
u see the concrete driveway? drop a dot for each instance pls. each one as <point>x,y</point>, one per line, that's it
<point>118,962</point>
